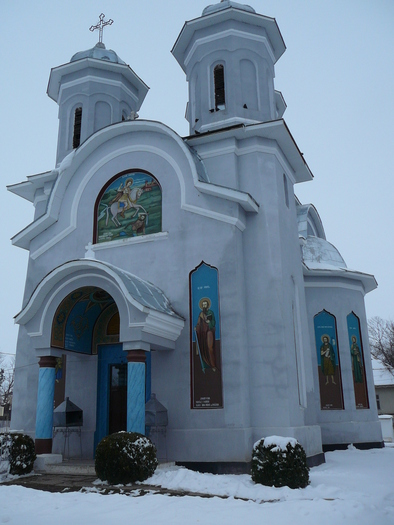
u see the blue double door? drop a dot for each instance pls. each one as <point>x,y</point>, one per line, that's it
<point>112,377</point>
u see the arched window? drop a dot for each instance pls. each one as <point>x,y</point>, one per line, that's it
<point>129,205</point>
<point>77,127</point>
<point>358,363</point>
<point>329,368</point>
<point>205,338</point>
<point>218,80</point>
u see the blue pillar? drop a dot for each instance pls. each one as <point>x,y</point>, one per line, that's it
<point>136,391</point>
<point>45,397</point>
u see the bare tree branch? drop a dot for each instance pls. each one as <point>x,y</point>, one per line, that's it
<point>381,341</point>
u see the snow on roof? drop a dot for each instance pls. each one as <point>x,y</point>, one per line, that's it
<point>224,4</point>
<point>381,375</point>
<point>98,52</point>
<point>320,254</point>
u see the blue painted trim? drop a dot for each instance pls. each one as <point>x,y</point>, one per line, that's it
<point>45,396</point>
<point>107,355</point>
<point>136,397</point>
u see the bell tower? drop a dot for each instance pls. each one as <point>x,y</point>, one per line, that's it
<point>95,89</point>
<point>228,55</point>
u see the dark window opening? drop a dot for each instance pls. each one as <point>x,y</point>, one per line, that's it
<point>286,188</point>
<point>77,127</point>
<point>218,77</point>
<point>378,402</point>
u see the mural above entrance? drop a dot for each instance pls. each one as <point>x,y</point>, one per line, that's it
<point>85,318</point>
<point>129,206</point>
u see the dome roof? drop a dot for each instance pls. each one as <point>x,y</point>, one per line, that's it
<point>320,254</point>
<point>224,4</point>
<point>99,52</point>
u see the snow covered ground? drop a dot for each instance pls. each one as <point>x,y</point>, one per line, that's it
<point>352,487</point>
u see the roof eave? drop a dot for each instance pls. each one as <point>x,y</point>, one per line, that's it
<point>276,130</point>
<point>28,188</point>
<point>65,69</point>
<point>190,27</point>
<point>368,281</point>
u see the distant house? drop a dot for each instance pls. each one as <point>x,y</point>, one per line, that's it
<point>384,388</point>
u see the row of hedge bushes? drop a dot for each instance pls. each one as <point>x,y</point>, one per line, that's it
<point>127,457</point>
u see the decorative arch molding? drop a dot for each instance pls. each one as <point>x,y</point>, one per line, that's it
<point>83,320</point>
<point>146,317</point>
<point>309,221</point>
<point>70,164</point>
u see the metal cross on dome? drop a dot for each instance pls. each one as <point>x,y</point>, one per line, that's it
<point>100,26</point>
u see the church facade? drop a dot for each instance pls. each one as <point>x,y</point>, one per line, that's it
<point>186,266</point>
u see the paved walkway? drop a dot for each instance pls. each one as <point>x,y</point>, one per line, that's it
<point>75,477</point>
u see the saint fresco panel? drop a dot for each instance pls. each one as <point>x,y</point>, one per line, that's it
<point>206,368</point>
<point>330,382</point>
<point>357,357</point>
<point>130,206</point>
<point>76,317</point>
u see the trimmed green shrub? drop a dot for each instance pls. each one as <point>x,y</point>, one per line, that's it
<point>280,462</point>
<point>125,457</point>
<point>20,451</point>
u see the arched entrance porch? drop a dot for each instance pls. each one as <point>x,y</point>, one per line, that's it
<point>100,318</point>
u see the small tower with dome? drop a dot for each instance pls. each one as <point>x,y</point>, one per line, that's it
<point>95,89</point>
<point>228,55</point>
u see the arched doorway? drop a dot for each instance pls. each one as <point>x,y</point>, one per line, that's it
<point>87,322</point>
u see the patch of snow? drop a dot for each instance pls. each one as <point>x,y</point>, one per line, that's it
<point>66,162</point>
<point>353,487</point>
<point>280,442</point>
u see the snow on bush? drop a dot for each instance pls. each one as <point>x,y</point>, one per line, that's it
<point>279,462</point>
<point>125,457</point>
<point>19,450</point>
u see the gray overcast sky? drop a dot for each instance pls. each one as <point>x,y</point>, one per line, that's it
<point>336,76</point>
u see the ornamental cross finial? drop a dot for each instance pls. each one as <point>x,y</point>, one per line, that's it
<point>100,25</point>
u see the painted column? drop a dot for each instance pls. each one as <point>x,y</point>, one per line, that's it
<point>45,397</point>
<point>136,391</point>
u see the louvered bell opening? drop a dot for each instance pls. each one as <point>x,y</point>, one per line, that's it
<point>77,127</point>
<point>218,75</point>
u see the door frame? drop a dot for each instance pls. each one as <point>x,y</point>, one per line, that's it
<point>108,355</point>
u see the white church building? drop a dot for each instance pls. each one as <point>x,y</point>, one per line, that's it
<point>186,267</point>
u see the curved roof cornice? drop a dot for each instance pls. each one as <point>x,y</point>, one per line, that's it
<point>74,160</point>
<point>160,318</point>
